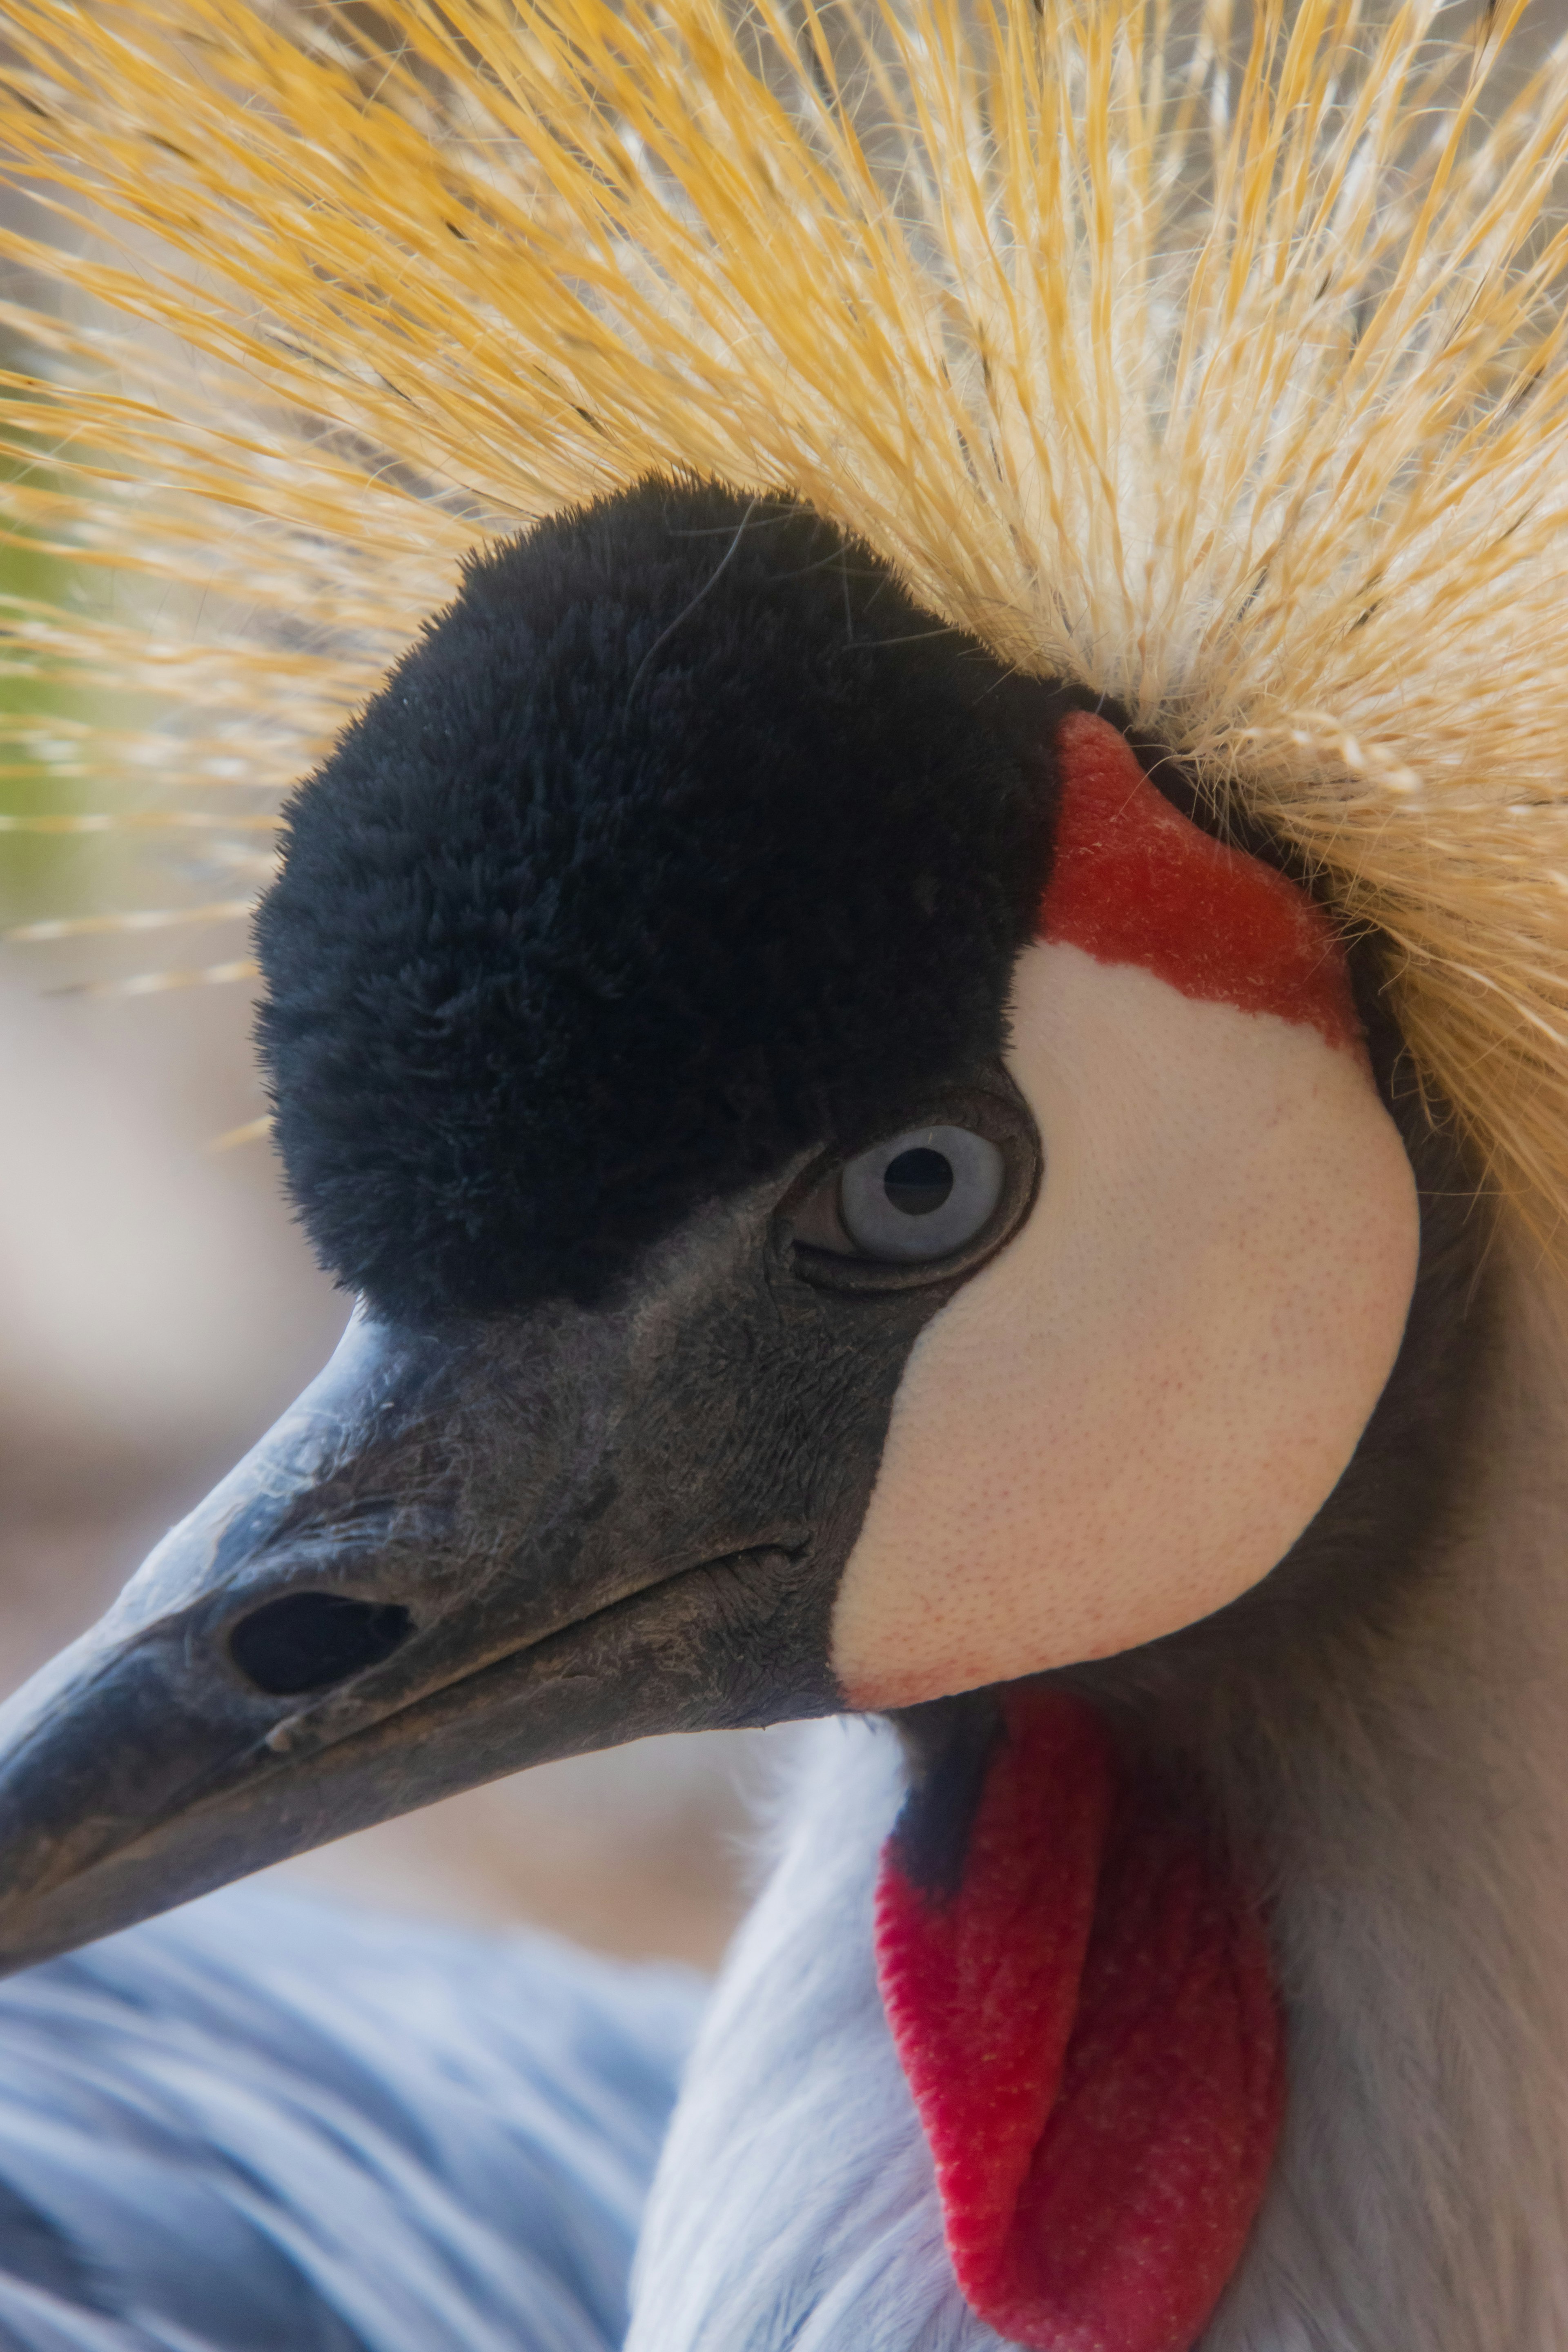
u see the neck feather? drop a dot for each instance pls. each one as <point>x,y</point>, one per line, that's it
<point>1411,1806</point>
<point>1404,1789</point>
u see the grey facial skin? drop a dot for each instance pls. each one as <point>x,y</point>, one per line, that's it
<point>568,1528</point>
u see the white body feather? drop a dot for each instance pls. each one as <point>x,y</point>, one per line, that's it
<point>795,2203</point>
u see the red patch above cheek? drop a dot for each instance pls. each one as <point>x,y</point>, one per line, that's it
<point>1133,881</point>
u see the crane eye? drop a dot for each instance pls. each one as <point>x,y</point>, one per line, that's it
<point>925,1204</point>
<point>920,1195</point>
<point>913,1198</point>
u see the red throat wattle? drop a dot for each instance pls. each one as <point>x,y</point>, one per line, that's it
<point>1088,2020</point>
<point>1090,2027</point>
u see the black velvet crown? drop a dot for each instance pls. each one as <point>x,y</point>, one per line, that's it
<point>682,840</point>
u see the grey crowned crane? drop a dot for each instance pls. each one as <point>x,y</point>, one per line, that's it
<point>928,1021</point>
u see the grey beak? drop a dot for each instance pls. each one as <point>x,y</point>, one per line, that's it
<point>457,1554</point>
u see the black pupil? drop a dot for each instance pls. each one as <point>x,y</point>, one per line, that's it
<point>917,1182</point>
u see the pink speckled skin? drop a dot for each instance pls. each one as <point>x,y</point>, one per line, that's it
<point>1128,1417</point>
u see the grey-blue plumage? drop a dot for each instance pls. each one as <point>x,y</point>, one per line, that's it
<point>267,2126</point>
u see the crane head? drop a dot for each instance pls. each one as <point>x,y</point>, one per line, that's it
<point>852,1196</point>
<point>855,1199</point>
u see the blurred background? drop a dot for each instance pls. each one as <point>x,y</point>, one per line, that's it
<point>160,1308</point>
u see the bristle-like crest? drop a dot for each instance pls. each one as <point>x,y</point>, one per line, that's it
<point>1213,359</point>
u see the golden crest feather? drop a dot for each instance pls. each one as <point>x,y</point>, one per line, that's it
<point>1213,359</point>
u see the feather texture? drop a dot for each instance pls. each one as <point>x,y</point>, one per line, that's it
<point>795,2108</point>
<point>265,2122</point>
<point>1403,1797</point>
<point>1215,362</point>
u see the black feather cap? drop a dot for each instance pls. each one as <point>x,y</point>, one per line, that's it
<point>682,840</point>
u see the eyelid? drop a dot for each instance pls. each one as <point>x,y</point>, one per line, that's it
<point>819,1223</point>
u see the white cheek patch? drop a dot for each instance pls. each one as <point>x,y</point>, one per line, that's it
<point>1129,1416</point>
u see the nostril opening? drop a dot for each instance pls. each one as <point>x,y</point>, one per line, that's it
<point>308,1641</point>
